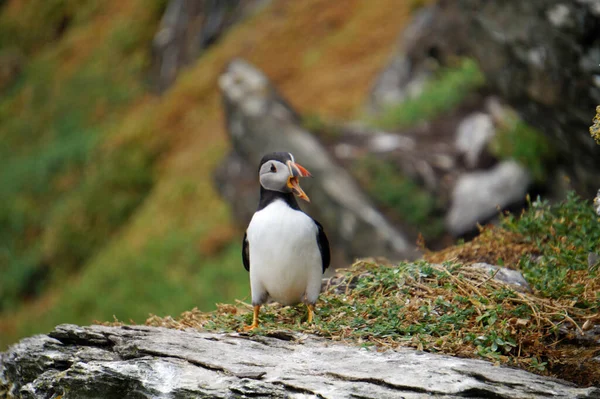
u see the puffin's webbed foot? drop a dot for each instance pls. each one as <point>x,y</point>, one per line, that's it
<point>254,319</point>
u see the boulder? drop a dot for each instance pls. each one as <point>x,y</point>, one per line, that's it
<point>541,57</point>
<point>152,362</point>
<point>477,196</point>
<point>260,121</point>
<point>473,135</point>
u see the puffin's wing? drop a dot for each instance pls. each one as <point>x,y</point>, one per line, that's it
<point>323,243</point>
<point>246,253</point>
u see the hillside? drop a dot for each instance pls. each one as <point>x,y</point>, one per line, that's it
<point>107,199</point>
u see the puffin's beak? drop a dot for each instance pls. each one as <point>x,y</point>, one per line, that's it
<point>296,171</point>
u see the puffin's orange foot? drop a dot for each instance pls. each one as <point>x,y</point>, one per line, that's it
<point>311,312</point>
<point>254,319</point>
<point>251,327</point>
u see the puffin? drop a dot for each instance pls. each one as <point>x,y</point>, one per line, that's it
<point>284,250</point>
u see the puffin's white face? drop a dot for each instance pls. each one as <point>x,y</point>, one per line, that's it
<point>276,176</point>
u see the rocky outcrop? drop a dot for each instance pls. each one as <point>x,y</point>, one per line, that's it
<point>187,28</point>
<point>259,121</point>
<point>477,195</point>
<point>151,362</point>
<point>541,57</point>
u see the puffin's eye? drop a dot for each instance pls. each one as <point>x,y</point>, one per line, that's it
<point>273,168</point>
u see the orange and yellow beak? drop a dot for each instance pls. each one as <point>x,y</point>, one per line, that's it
<point>297,171</point>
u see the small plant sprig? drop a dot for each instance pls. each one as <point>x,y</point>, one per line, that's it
<point>595,128</point>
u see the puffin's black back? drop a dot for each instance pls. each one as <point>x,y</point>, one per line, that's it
<point>268,196</point>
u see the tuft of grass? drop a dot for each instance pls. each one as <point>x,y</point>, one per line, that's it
<point>401,195</point>
<point>445,92</point>
<point>453,308</point>
<point>517,140</point>
<point>565,233</point>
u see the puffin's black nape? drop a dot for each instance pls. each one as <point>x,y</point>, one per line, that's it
<point>282,157</point>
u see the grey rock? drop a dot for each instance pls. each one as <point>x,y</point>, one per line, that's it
<point>541,57</point>
<point>404,77</point>
<point>151,362</point>
<point>505,275</point>
<point>559,15</point>
<point>259,121</point>
<point>477,195</point>
<point>387,142</point>
<point>472,137</point>
<point>597,203</point>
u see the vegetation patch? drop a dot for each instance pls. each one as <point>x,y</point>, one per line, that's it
<point>517,140</point>
<point>400,195</point>
<point>447,90</point>
<point>62,193</point>
<point>453,308</point>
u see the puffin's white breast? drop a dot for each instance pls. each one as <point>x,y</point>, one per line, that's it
<point>284,255</point>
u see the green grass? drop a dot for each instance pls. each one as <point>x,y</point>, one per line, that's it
<point>445,92</point>
<point>565,233</point>
<point>521,142</point>
<point>167,275</point>
<point>401,195</point>
<point>455,309</point>
<point>61,194</point>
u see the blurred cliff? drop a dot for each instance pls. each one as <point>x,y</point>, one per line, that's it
<point>128,170</point>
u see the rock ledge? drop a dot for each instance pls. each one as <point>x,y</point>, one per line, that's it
<point>151,362</point>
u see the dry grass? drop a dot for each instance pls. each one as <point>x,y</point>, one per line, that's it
<point>450,308</point>
<point>443,304</point>
<point>494,245</point>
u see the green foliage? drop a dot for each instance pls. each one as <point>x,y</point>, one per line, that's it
<point>398,193</point>
<point>325,130</point>
<point>116,184</point>
<point>166,276</point>
<point>565,234</point>
<point>517,140</point>
<point>444,93</point>
<point>55,184</point>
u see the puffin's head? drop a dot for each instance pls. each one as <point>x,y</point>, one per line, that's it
<point>279,172</point>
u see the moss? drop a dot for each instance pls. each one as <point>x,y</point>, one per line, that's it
<point>447,90</point>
